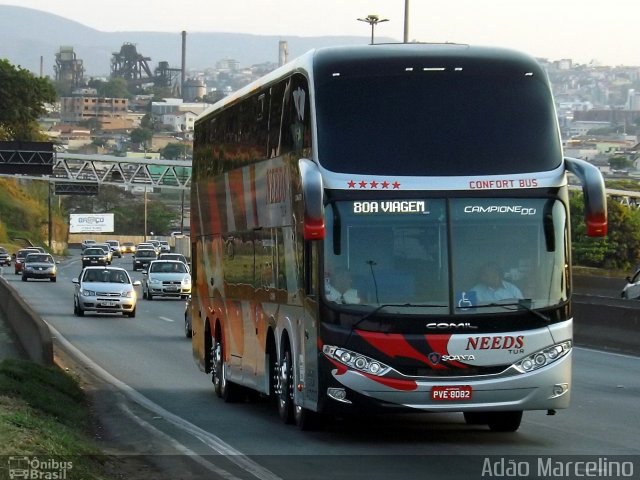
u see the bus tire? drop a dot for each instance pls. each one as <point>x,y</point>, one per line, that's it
<point>504,421</point>
<point>284,386</point>
<point>224,389</point>
<point>476,418</point>
<point>307,420</point>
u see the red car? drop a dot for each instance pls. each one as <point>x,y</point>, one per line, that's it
<point>20,256</point>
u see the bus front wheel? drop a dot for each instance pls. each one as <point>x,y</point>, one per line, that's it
<point>504,421</point>
<point>224,389</point>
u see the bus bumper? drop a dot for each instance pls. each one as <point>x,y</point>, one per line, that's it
<point>546,388</point>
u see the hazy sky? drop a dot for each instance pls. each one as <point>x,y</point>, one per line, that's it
<point>583,30</point>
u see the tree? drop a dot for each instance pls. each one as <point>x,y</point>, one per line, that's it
<point>619,162</point>
<point>619,250</point>
<point>22,101</point>
<point>174,151</point>
<point>140,136</point>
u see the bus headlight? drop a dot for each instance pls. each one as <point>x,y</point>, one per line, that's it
<point>355,360</point>
<point>543,357</point>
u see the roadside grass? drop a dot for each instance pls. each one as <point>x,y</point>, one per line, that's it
<point>44,414</point>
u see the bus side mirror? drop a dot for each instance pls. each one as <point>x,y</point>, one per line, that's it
<point>312,196</point>
<point>595,199</point>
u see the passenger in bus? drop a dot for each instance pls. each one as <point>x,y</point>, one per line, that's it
<point>338,287</point>
<point>492,286</point>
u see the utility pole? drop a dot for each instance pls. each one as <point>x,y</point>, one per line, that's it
<point>406,21</point>
<point>373,20</point>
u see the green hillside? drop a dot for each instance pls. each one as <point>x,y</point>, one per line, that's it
<point>24,214</point>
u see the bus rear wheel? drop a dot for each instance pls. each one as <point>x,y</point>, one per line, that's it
<point>284,387</point>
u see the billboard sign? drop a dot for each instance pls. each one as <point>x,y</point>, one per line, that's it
<point>91,223</point>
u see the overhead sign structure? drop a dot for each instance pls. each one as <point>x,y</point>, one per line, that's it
<point>26,158</point>
<point>70,188</point>
<point>91,223</point>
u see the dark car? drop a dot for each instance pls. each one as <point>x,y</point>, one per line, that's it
<point>5,257</point>
<point>20,256</point>
<point>94,256</point>
<point>39,266</point>
<point>142,258</point>
<point>87,243</point>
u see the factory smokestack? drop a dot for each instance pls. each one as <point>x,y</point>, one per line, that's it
<point>183,75</point>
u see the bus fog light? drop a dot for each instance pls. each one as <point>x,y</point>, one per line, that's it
<point>338,394</point>
<point>345,357</point>
<point>560,389</point>
<point>374,367</point>
<point>527,365</point>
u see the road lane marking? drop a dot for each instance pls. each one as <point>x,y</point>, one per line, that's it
<point>213,441</point>
<point>176,444</point>
<point>166,319</point>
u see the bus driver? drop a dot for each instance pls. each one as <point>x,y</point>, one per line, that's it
<point>492,287</point>
<point>338,288</point>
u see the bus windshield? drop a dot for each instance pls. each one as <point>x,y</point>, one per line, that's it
<point>459,256</point>
<point>436,123</point>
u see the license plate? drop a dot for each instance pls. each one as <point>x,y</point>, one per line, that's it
<point>172,289</point>
<point>454,394</point>
<point>108,304</point>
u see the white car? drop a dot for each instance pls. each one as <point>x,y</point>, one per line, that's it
<point>631,290</point>
<point>175,256</point>
<point>105,290</point>
<point>166,278</point>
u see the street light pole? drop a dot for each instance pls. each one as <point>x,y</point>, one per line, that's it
<point>406,21</point>
<point>373,20</point>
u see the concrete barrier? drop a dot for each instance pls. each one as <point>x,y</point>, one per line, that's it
<point>33,334</point>
<point>607,327</point>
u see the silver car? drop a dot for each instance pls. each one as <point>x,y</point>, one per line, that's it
<point>39,265</point>
<point>105,290</point>
<point>166,278</point>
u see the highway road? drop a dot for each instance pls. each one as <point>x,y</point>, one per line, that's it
<point>149,359</point>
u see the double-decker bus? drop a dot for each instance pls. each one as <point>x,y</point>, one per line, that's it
<point>345,209</point>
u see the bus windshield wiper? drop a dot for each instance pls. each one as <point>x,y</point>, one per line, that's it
<point>524,303</point>
<point>384,305</point>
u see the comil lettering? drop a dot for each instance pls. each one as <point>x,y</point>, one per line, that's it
<point>517,209</point>
<point>396,206</point>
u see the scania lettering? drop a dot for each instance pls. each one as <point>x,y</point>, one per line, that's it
<point>336,261</point>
